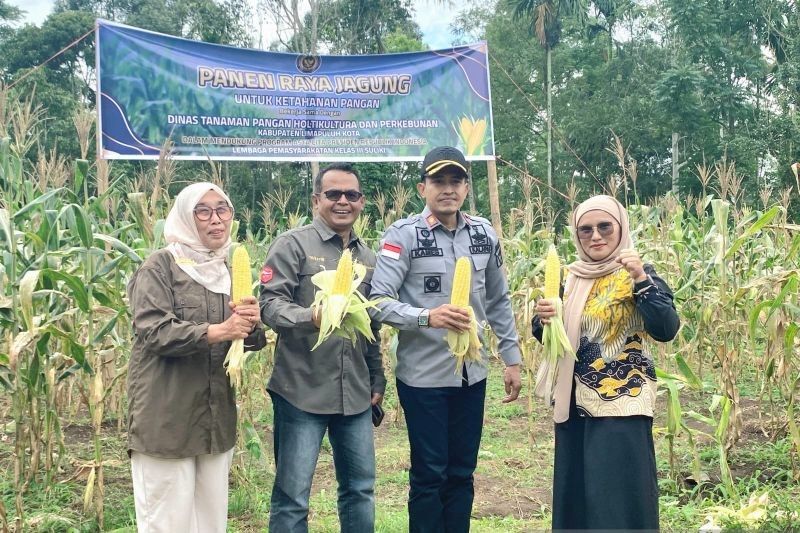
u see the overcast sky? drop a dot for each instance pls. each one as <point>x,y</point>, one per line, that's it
<point>433,18</point>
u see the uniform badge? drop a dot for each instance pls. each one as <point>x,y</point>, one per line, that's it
<point>432,284</point>
<point>479,241</point>
<point>498,255</point>
<point>426,244</point>
<point>391,250</point>
<point>266,274</point>
<point>425,238</point>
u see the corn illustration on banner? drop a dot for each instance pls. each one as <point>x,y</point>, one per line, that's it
<point>230,103</point>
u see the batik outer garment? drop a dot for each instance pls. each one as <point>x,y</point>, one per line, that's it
<point>610,324</point>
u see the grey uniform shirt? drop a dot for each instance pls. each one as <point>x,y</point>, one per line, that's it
<point>338,377</point>
<point>415,269</point>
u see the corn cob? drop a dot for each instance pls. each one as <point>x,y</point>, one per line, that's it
<point>241,276</point>
<point>464,345</point>
<point>241,286</point>
<point>552,274</point>
<point>462,283</point>
<point>343,308</point>
<point>554,337</point>
<point>344,273</point>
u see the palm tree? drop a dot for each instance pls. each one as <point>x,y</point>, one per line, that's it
<point>545,17</point>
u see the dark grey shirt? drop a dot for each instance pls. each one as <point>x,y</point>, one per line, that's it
<point>338,377</point>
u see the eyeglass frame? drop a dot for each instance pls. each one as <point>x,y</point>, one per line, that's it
<point>213,211</point>
<point>591,229</point>
<point>338,195</point>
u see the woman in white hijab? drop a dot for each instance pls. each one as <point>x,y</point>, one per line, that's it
<point>182,410</point>
<point>604,473</point>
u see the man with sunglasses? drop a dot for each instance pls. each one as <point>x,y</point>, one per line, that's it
<point>444,410</point>
<point>332,388</point>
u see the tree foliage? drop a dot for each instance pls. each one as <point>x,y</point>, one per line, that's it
<point>723,76</point>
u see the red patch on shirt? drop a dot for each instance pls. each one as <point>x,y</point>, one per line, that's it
<point>266,274</point>
<point>391,250</point>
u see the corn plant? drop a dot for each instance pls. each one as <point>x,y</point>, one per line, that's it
<point>63,315</point>
<point>72,234</point>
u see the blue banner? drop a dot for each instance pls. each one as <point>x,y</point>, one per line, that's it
<point>226,103</point>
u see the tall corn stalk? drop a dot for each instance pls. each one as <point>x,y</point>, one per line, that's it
<point>59,286</point>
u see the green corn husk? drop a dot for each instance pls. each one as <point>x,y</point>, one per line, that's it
<point>344,308</point>
<point>556,345</point>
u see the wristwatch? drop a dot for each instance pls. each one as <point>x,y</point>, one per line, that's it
<point>422,319</point>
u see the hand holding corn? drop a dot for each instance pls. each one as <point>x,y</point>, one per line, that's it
<point>316,315</point>
<point>554,336</point>
<point>465,345</point>
<point>339,308</point>
<point>452,317</point>
<point>248,309</point>
<point>235,327</point>
<point>546,309</point>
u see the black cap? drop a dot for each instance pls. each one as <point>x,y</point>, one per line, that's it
<point>440,158</point>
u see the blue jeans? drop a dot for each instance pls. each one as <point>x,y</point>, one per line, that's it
<point>444,431</point>
<point>297,439</point>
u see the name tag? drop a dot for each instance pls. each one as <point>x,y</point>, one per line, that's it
<point>481,249</point>
<point>416,253</point>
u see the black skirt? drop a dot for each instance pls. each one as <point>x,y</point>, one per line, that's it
<point>604,475</point>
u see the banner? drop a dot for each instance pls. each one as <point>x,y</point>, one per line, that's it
<point>226,103</point>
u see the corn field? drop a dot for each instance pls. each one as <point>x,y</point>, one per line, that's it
<point>71,236</point>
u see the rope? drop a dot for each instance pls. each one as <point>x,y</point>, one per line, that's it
<point>534,178</point>
<point>537,109</point>
<point>37,67</point>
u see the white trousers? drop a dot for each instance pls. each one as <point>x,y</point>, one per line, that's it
<point>181,495</point>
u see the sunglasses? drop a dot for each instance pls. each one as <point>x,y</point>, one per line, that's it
<point>350,195</point>
<point>604,229</point>
<point>224,212</point>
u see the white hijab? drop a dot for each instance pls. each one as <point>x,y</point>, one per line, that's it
<point>207,267</point>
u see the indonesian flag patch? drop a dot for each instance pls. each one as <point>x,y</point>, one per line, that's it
<point>391,250</point>
<point>266,274</point>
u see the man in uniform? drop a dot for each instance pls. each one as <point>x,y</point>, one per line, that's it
<point>328,389</point>
<point>444,410</point>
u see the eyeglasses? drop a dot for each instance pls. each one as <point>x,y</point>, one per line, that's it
<point>203,213</point>
<point>334,194</point>
<point>604,229</point>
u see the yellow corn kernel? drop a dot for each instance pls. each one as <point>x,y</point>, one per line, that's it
<point>343,281</point>
<point>552,274</point>
<point>241,275</point>
<point>462,283</point>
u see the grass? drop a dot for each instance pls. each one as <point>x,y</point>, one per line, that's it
<point>512,479</point>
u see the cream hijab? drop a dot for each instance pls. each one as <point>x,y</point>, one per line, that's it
<point>580,279</point>
<point>207,267</point>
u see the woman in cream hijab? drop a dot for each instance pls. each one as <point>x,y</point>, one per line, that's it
<point>605,472</point>
<point>182,409</point>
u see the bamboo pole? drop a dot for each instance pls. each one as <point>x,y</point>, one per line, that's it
<point>494,197</point>
<point>472,208</point>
